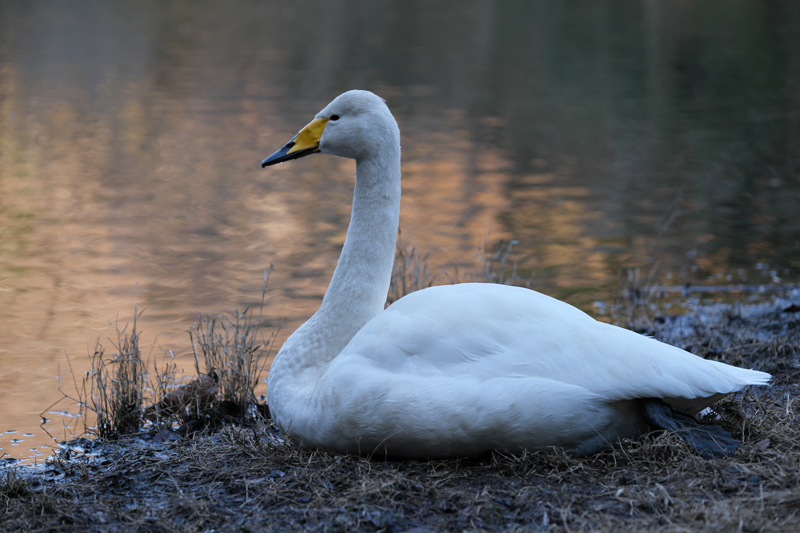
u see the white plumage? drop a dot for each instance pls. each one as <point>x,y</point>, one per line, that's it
<point>457,370</point>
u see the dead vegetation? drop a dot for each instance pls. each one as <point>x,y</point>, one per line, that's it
<point>246,477</point>
<point>494,264</point>
<point>125,394</point>
<point>249,479</point>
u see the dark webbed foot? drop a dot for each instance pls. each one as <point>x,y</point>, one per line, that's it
<point>707,439</point>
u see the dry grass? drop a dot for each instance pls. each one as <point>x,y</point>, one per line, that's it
<point>117,390</point>
<point>234,354</point>
<point>112,393</point>
<point>123,397</point>
<point>497,264</point>
<point>494,264</point>
<point>248,478</point>
<point>633,308</point>
<point>410,272</point>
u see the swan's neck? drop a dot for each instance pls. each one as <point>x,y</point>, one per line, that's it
<point>360,283</point>
<point>361,280</point>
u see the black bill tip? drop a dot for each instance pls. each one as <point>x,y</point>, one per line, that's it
<point>283,154</point>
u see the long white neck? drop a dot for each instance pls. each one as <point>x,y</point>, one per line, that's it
<point>361,280</point>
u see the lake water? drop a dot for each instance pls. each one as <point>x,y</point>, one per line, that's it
<point>601,135</point>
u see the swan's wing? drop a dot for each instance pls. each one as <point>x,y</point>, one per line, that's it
<point>485,331</point>
<point>440,417</point>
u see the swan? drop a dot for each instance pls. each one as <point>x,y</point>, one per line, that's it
<point>461,370</point>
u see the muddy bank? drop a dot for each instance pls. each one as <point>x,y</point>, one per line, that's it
<point>250,479</point>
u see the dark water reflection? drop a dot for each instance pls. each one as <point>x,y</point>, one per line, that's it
<point>599,134</point>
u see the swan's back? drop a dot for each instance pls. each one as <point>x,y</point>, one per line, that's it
<point>493,330</point>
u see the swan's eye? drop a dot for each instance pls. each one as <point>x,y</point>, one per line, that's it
<point>334,117</point>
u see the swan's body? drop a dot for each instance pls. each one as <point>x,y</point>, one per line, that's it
<point>457,370</point>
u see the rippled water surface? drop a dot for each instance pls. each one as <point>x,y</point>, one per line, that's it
<point>601,135</point>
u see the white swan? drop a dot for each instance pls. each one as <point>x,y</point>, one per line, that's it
<point>457,370</point>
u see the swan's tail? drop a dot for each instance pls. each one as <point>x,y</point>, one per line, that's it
<point>732,379</point>
<point>745,376</point>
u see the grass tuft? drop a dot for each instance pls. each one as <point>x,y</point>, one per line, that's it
<point>117,390</point>
<point>124,398</point>
<point>410,272</point>
<point>494,264</point>
<point>112,393</point>
<point>233,353</point>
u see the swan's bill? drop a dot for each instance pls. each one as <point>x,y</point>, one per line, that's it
<point>304,143</point>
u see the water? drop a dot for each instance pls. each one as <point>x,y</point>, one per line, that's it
<point>601,135</point>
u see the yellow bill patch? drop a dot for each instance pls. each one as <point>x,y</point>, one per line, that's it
<point>304,143</point>
<point>308,138</point>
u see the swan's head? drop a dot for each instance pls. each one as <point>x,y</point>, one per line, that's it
<point>357,124</point>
